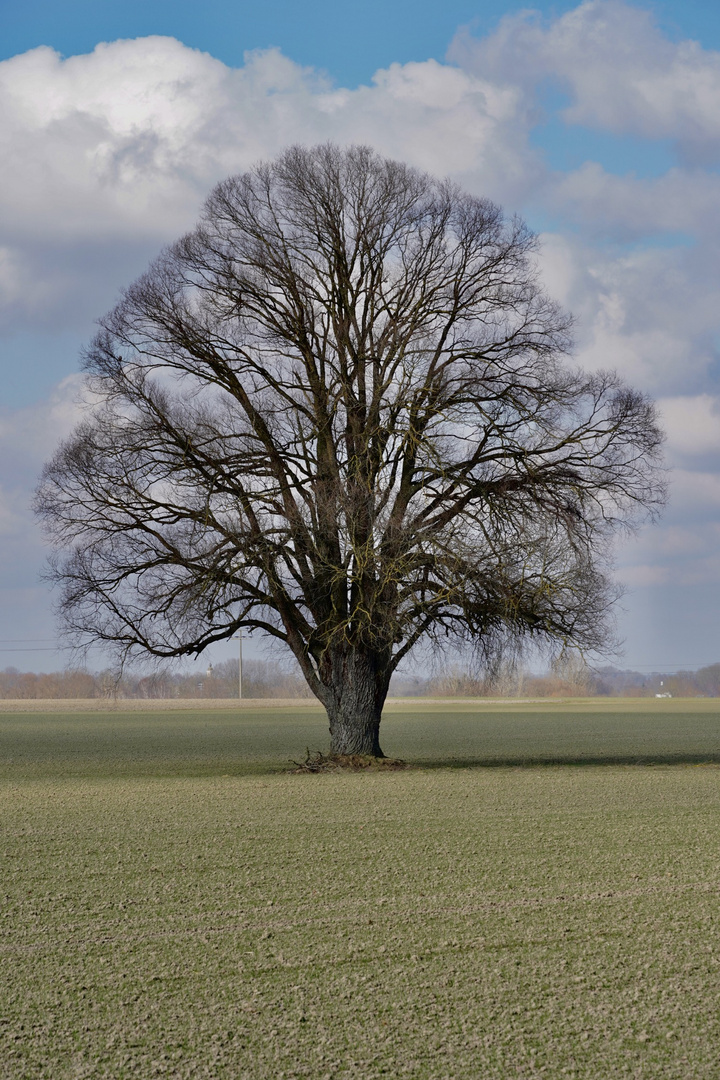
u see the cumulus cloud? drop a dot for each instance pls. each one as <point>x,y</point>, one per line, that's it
<point>104,141</point>
<point>633,257</point>
<point>682,201</point>
<point>28,436</point>
<point>674,555</point>
<point>648,311</point>
<point>131,135</point>
<point>692,425</point>
<point>12,518</point>
<point>621,73</point>
<point>27,439</point>
<point>109,155</point>
<point>684,549</point>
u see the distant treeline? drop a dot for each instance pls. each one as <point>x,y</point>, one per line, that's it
<point>267,678</point>
<point>575,681</point>
<point>261,679</point>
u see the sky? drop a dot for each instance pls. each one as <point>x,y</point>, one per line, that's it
<point>599,122</point>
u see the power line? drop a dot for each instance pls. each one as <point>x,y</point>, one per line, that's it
<point>56,649</point>
<point>660,668</point>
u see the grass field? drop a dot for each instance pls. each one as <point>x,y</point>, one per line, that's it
<point>175,904</point>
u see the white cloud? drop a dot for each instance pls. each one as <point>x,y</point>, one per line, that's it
<point>132,135</point>
<point>649,312</point>
<point>692,425</point>
<point>633,258</point>
<point>105,140</point>
<point>643,575</point>
<point>28,436</point>
<point>623,75</point>
<point>683,201</point>
<point>12,519</point>
<point>684,549</point>
<point>673,554</point>
<point>108,156</point>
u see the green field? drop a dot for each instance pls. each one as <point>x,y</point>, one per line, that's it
<point>527,901</point>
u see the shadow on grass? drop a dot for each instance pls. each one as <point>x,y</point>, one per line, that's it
<point>566,760</point>
<point>187,770</point>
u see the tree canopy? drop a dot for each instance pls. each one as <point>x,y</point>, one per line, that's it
<point>340,412</point>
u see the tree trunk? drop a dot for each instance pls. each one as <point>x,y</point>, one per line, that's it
<point>354,703</point>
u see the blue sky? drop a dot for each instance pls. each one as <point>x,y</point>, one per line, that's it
<point>349,40</point>
<point>598,121</point>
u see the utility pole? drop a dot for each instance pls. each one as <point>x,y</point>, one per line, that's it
<point>238,638</point>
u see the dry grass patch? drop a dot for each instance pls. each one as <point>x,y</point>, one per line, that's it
<point>161,918</point>
<point>465,923</point>
<point>148,705</point>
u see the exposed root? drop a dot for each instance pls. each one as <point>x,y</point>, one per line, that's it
<point>316,762</point>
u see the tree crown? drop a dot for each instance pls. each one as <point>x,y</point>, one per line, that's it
<point>339,412</point>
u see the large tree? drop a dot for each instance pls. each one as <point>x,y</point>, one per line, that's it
<point>339,413</point>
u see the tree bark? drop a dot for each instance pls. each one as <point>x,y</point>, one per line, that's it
<point>354,703</point>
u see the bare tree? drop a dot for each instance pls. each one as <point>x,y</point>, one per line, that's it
<point>338,413</point>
